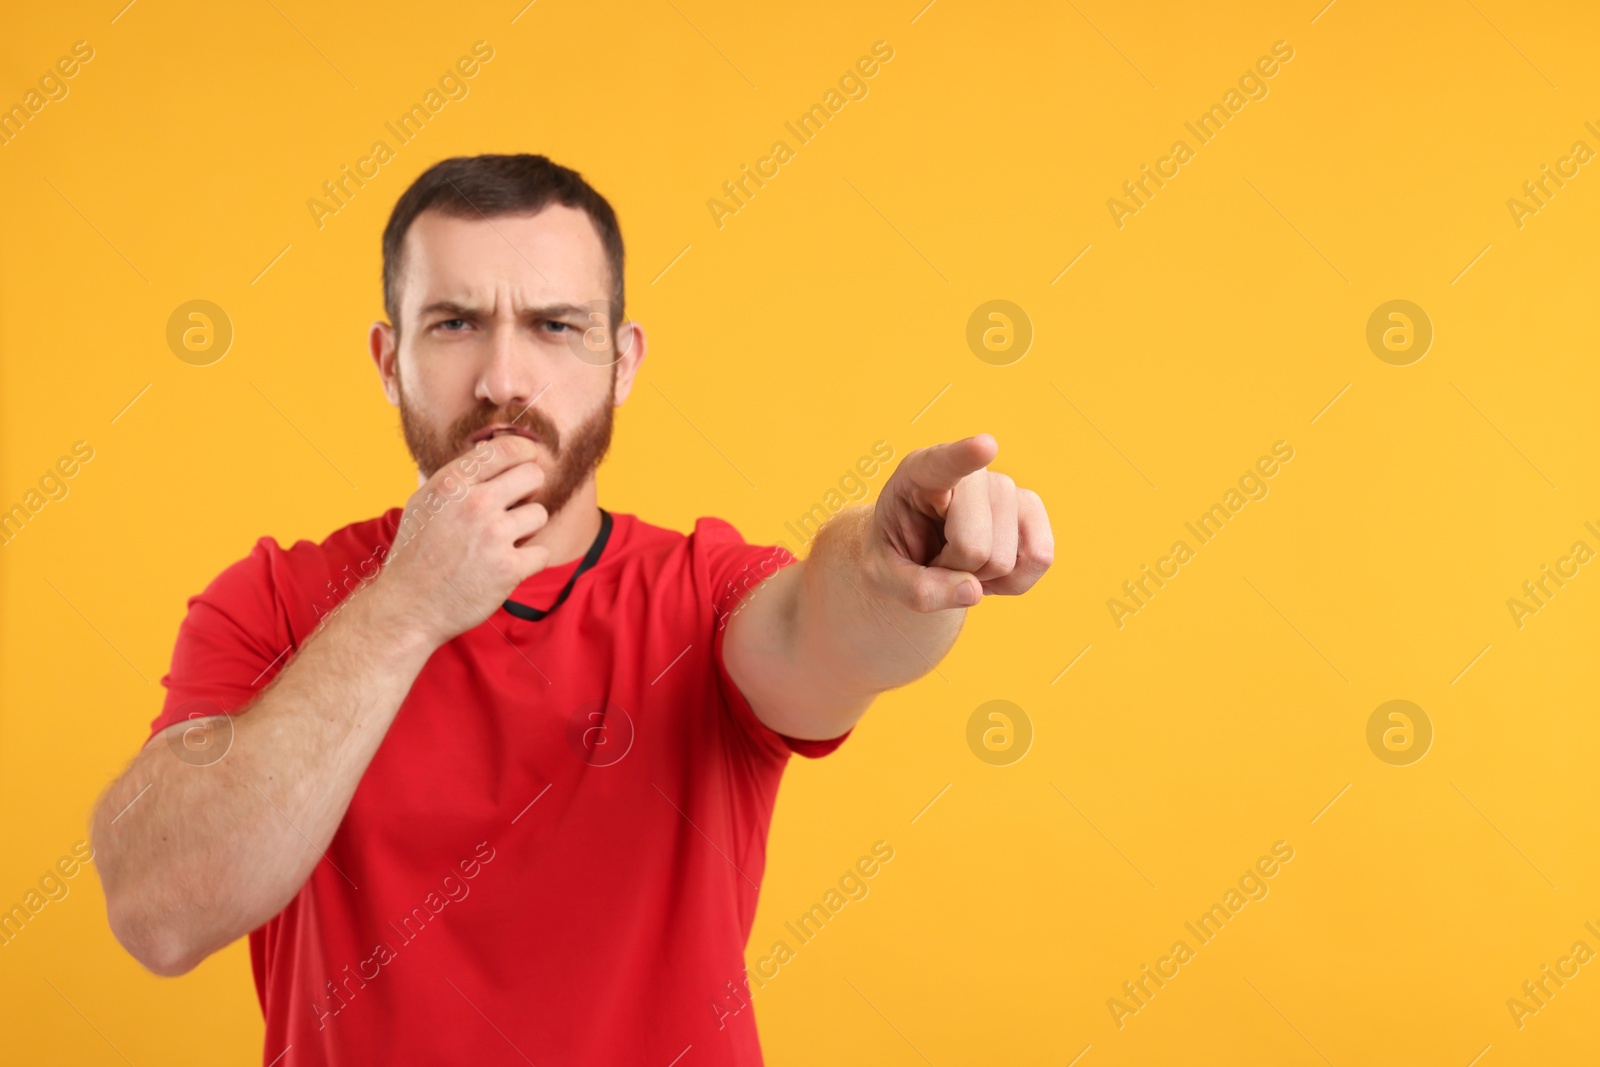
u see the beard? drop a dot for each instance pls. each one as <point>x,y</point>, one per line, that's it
<point>576,454</point>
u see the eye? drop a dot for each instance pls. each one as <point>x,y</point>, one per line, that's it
<point>448,322</point>
<point>559,327</point>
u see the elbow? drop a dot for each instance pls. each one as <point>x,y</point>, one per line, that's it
<point>168,958</point>
<point>168,964</point>
<point>160,951</point>
<point>140,915</point>
<point>143,925</point>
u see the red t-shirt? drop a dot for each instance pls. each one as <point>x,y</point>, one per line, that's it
<point>555,853</point>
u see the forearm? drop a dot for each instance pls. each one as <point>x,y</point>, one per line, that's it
<point>857,641</point>
<point>193,857</point>
<point>884,593</point>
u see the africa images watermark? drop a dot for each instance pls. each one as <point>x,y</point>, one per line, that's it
<point>852,490</point>
<point>52,887</point>
<point>52,87</point>
<point>732,598</point>
<point>1252,85</point>
<point>1252,485</point>
<point>852,887</point>
<point>1252,886</point>
<point>1538,592</point>
<point>852,86</point>
<point>1538,192</point>
<point>452,85</point>
<point>52,486</point>
<point>455,889</point>
<point>736,592</point>
<point>1537,992</point>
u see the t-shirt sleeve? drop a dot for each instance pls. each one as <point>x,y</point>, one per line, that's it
<point>731,570</point>
<point>230,644</point>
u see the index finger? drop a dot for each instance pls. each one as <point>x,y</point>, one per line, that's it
<point>938,468</point>
<point>486,459</point>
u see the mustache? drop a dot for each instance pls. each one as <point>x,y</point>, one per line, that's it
<point>530,418</point>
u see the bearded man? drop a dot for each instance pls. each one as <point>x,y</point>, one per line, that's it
<point>487,778</point>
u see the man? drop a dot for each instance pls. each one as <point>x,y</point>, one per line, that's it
<point>487,779</point>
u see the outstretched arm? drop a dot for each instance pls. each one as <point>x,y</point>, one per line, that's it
<point>883,594</point>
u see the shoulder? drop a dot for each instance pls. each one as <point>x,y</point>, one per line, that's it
<point>706,527</point>
<point>640,539</point>
<point>713,557</point>
<point>305,579</point>
<point>708,536</point>
<point>728,566</point>
<point>714,531</point>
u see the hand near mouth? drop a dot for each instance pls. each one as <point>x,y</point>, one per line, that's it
<point>475,519</point>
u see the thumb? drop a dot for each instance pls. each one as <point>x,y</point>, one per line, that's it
<point>929,589</point>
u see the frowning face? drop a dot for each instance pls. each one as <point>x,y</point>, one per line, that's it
<point>505,328</point>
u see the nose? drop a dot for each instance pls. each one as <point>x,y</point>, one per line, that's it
<point>510,373</point>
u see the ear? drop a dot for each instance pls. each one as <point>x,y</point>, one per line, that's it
<point>386,355</point>
<point>631,344</point>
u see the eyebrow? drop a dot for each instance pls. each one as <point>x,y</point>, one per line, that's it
<point>463,311</point>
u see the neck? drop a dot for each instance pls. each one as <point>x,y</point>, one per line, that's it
<point>571,531</point>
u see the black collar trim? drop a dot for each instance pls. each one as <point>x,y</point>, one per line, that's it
<point>532,614</point>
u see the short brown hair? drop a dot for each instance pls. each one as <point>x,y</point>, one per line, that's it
<point>490,185</point>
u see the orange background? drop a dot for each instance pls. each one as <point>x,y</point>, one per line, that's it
<point>831,312</point>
